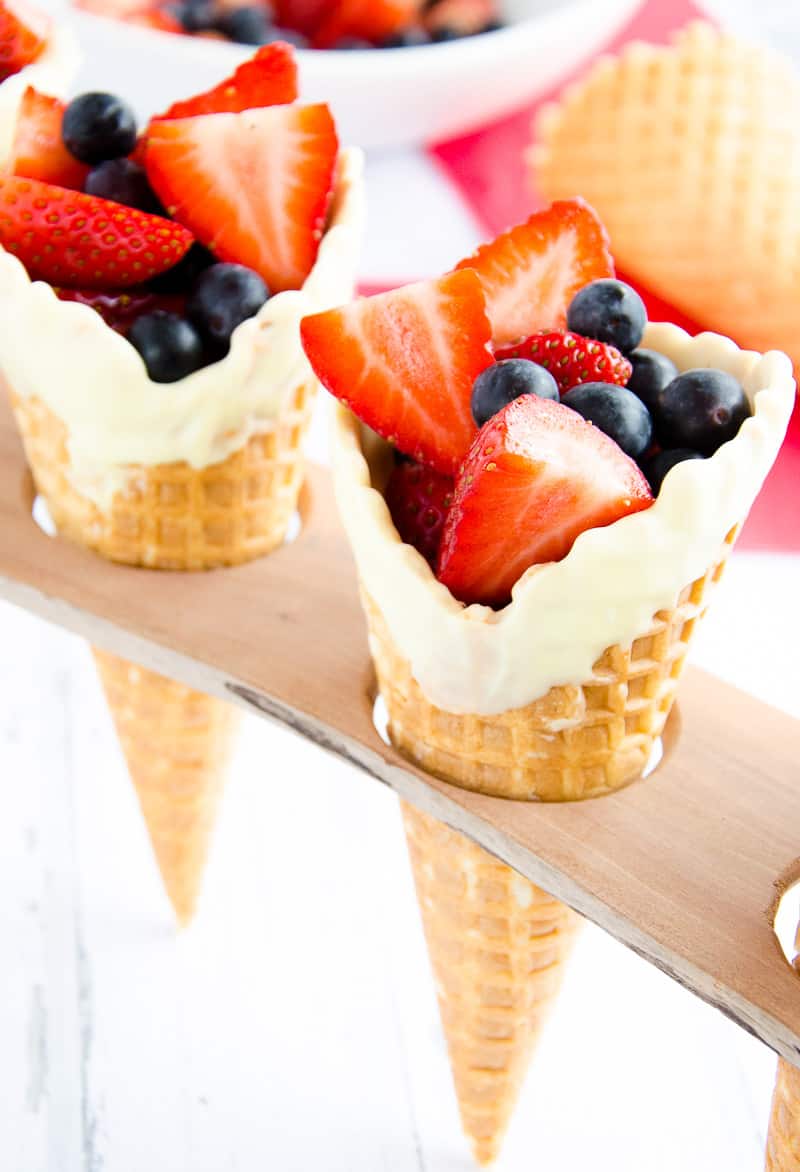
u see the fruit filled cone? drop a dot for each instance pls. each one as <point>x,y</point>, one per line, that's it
<point>498,947</point>
<point>703,211</point>
<point>82,397</point>
<point>55,61</point>
<point>563,694</point>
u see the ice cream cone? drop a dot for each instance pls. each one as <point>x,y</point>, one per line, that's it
<point>177,744</point>
<point>691,156</point>
<point>783,1139</point>
<point>497,946</point>
<point>561,695</point>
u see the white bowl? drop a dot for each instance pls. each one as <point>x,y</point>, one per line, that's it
<point>381,97</point>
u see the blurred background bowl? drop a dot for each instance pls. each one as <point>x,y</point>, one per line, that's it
<point>381,98</point>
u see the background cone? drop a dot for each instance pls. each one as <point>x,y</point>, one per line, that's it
<point>497,946</point>
<point>177,743</point>
<point>783,1140</point>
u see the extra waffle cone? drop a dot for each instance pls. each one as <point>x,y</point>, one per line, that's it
<point>691,156</point>
<point>783,1140</point>
<point>177,743</point>
<point>574,742</point>
<point>497,946</point>
<point>173,516</point>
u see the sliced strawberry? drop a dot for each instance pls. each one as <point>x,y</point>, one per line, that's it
<point>23,34</point>
<point>69,238</point>
<point>418,499</point>
<point>267,79</point>
<point>156,18</point>
<point>405,363</point>
<point>464,17</point>
<point>303,15</point>
<point>536,477</point>
<point>372,20</point>
<point>532,272</point>
<point>253,187</point>
<point>120,308</point>
<point>38,151</point>
<point>571,358</point>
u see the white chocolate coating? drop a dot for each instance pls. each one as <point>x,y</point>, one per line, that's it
<point>52,74</point>
<point>563,615</point>
<point>116,416</point>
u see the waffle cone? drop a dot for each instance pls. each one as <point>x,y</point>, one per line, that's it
<point>575,741</point>
<point>783,1139</point>
<point>173,516</point>
<point>497,946</point>
<point>691,156</point>
<point>177,744</point>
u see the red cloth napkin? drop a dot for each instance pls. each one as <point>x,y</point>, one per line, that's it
<point>487,167</point>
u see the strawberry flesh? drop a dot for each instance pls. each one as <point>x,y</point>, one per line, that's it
<point>571,358</point>
<point>254,187</point>
<point>531,272</point>
<point>536,477</point>
<point>68,238</point>
<point>268,79</point>
<point>418,499</point>
<point>404,362</point>
<point>372,20</point>
<point>23,34</point>
<point>38,150</point>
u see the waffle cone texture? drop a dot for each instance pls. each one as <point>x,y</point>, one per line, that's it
<point>498,947</point>
<point>173,516</point>
<point>177,744</point>
<point>691,156</point>
<point>577,741</point>
<point>783,1139</point>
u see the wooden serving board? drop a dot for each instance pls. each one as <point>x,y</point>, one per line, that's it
<point>684,867</point>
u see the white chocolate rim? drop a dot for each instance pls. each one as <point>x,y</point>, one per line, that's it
<point>52,74</point>
<point>563,615</point>
<point>96,383</point>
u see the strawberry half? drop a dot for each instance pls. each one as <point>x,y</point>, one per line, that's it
<point>267,79</point>
<point>23,34</point>
<point>253,187</point>
<point>571,358</point>
<point>303,15</point>
<point>404,362</point>
<point>374,20</point>
<point>418,499</point>
<point>68,238</point>
<point>532,272</point>
<point>38,151</point>
<point>120,308</point>
<point>536,477</point>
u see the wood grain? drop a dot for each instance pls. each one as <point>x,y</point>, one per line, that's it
<point>682,868</point>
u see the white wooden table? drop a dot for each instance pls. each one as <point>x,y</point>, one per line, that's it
<point>294,1026</point>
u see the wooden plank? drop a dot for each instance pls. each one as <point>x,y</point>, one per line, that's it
<point>683,868</point>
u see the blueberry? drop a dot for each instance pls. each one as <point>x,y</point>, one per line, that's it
<point>651,373</point>
<point>506,380</point>
<point>406,38</point>
<point>291,37</point>
<point>224,296</point>
<point>169,345</point>
<point>249,26</point>
<point>446,32</point>
<point>657,467</point>
<point>125,182</point>
<point>182,276</point>
<point>97,127</point>
<point>610,311</point>
<point>700,409</point>
<point>197,16</point>
<point>616,411</point>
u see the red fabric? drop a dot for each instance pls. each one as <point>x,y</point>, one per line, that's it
<point>487,167</point>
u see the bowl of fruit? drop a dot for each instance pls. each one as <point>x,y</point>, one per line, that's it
<point>394,71</point>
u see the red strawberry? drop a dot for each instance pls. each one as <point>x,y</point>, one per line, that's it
<point>267,79</point>
<point>418,499</point>
<point>120,308</point>
<point>532,272</point>
<point>374,20</point>
<point>23,33</point>
<point>405,363</point>
<point>303,15</point>
<point>571,358</point>
<point>536,477</point>
<point>253,187</point>
<point>69,238</point>
<point>38,151</point>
